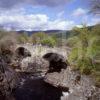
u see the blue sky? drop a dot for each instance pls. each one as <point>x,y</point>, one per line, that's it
<point>45,14</point>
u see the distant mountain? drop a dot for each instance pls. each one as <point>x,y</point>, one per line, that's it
<point>57,33</point>
<point>47,31</point>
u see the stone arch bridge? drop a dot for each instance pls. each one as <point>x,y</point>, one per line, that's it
<point>38,50</point>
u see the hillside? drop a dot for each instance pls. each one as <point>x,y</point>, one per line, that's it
<point>58,33</point>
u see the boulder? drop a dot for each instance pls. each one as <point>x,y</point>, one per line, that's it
<point>56,79</point>
<point>8,79</point>
<point>34,64</point>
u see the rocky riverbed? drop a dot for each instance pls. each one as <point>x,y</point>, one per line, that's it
<point>34,87</point>
<point>39,78</point>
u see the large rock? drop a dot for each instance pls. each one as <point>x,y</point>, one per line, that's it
<point>81,87</point>
<point>17,57</point>
<point>34,64</point>
<point>73,85</point>
<point>55,78</point>
<point>8,79</point>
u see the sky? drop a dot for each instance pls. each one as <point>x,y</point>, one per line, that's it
<point>45,14</point>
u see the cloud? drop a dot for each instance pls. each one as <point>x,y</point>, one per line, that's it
<point>17,20</point>
<point>21,22</point>
<point>91,22</point>
<point>79,12</point>
<point>60,14</point>
<point>94,21</point>
<point>14,11</point>
<point>50,3</point>
<point>61,24</point>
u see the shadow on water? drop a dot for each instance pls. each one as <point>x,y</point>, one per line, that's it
<point>37,89</point>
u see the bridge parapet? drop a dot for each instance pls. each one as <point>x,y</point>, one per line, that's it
<point>38,50</point>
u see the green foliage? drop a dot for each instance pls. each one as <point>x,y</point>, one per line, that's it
<point>85,65</point>
<point>95,7</point>
<point>49,41</point>
<point>23,38</point>
<point>37,37</point>
<point>7,40</point>
<point>93,49</point>
<point>44,39</point>
<point>86,51</point>
<point>71,42</point>
<point>86,47</point>
<point>96,30</point>
<point>74,55</point>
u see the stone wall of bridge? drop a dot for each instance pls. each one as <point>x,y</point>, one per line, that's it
<point>38,50</point>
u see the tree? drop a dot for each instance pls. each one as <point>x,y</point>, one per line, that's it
<point>23,38</point>
<point>49,41</point>
<point>38,37</point>
<point>86,52</point>
<point>95,7</point>
<point>79,53</point>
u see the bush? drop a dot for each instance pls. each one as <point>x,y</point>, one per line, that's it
<point>23,38</point>
<point>7,46</point>
<point>48,42</point>
<point>73,55</point>
<point>71,42</point>
<point>85,65</point>
<point>7,41</point>
<point>38,37</point>
<point>86,47</point>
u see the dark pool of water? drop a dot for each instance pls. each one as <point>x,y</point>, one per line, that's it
<point>37,89</point>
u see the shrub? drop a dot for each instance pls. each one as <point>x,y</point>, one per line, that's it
<point>85,49</point>
<point>23,38</point>
<point>38,37</point>
<point>71,42</point>
<point>73,55</point>
<point>7,45</point>
<point>49,42</point>
<point>7,40</point>
<point>85,65</point>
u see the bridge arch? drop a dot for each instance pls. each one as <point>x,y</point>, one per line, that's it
<point>56,62</point>
<point>37,50</point>
<point>22,51</point>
